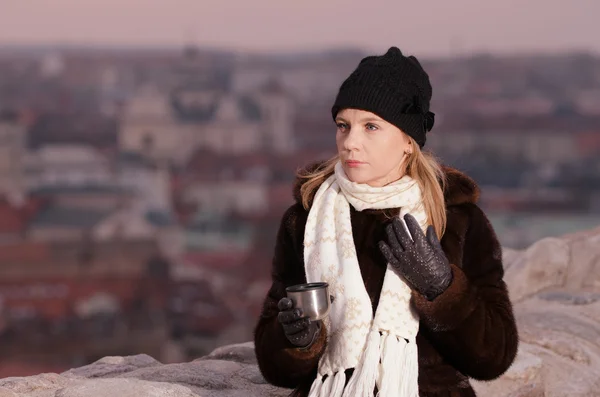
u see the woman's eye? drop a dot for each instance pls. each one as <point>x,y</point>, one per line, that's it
<point>342,126</point>
<point>371,127</point>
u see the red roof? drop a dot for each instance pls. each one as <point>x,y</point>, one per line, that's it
<point>589,142</point>
<point>10,221</point>
<point>13,220</point>
<point>54,298</point>
<point>25,252</point>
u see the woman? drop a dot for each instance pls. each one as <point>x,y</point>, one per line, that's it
<point>411,315</point>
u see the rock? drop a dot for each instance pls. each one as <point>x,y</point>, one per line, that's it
<point>571,262</point>
<point>568,339</point>
<point>125,388</point>
<point>112,366</point>
<point>242,352</point>
<point>555,285</point>
<point>570,298</point>
<point>207,374</point>
<point>7,393</point>
<point>584,265</point>
<point>229,371</point>
<point>35,386</point>
<point>541,266</point>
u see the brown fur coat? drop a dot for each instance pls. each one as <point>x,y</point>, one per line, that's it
<point>467,332</point>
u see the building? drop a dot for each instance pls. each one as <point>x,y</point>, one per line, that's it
<point>202,112</point>
<point>12,151</point>
<point>66,165</point>
<point>536,146</point>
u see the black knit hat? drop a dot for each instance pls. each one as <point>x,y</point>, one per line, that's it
<point>394,87</point>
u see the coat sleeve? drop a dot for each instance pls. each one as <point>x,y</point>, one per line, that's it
<point>472,323</point>
<point>279,361</point>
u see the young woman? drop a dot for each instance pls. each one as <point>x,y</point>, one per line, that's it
<point>414,266</point>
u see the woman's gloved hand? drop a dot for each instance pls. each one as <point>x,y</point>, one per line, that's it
<point>299,330</point>
<point>421,262</point>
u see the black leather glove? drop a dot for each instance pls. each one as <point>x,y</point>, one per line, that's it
<point>300,331</point>
<point>421,262</point>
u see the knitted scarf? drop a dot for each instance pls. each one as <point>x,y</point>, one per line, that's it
<point>381,348</point>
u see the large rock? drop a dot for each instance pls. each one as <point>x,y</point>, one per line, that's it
<point>555,285</point>
<point>229,371</point>
<point>7,393</point>
<point>571,262</point>
<point>543,265</point>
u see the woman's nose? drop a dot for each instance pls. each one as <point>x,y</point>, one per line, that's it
<point>352,140</point>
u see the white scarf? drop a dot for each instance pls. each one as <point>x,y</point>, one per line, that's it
<point>382,348</point>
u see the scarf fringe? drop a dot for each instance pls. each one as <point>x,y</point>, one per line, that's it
<point>339,383</point>
<point>326,388</point>
<point>390,368</point>
<point>315,389</point>
<point>409,380</point>
<point>362,382</point>
<point>333,386</point>
<point>399,368</point>
<point>389,362</point>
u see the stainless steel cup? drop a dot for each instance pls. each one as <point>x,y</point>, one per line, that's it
<point>312,298</point>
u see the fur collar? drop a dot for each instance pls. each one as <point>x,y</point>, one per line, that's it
<point>460,188</point>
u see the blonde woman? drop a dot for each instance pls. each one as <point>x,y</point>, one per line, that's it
<point>414,266</point>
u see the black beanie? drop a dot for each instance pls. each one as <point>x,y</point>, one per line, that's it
<point>394,87</point>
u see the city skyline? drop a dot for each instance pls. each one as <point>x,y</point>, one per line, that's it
<point>435,28</point>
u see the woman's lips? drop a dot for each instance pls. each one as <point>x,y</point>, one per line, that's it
<point>354,163</point>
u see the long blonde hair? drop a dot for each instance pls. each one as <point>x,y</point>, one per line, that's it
<point>421,166</point>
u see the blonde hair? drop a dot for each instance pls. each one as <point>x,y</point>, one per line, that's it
<point>421,166</point>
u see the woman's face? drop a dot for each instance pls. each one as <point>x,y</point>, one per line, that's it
<point>372,150</point>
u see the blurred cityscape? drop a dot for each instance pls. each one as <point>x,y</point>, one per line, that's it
<point>142,189</point>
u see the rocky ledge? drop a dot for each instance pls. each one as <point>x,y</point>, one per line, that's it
<point>555,285</point>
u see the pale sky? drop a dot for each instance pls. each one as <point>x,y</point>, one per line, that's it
<point>426,27</point>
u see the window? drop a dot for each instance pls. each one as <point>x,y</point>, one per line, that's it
<point>148,141</point>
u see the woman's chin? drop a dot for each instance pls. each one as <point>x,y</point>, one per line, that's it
<point>357,176</point>
<point>365,178</point>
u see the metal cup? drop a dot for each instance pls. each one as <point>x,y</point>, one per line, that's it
<point>312,298</point>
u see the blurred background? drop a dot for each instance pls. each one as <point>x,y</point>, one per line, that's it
<point>148,149</point>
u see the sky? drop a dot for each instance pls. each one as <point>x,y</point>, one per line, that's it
<point>427,27</point>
